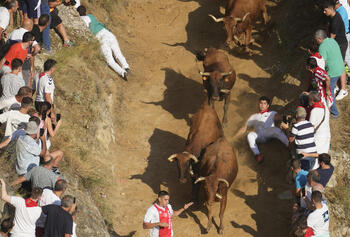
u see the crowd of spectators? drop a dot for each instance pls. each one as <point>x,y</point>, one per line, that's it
<point>308,129</point>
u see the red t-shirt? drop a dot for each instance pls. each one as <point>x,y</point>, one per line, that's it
<point>16,51</point>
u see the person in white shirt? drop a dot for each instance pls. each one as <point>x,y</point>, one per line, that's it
<point>17,35</point>
<point>13,81</point>
<point>14,102</point>
<point>44,86</point>
<point>27,211</point>
<point>263,123</point>
<point>50,197</point>
<point>319,117</point>
<point>109,43</point>
<point>318,220</point>
<point>5,14</point>
<point>16,119</point>
<point>158,216</point>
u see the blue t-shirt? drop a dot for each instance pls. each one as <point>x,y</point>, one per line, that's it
<point>344,15</point>
<point>325,175</point>
<point>301,179</point>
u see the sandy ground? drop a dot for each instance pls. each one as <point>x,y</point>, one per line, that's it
<point>163,91</point>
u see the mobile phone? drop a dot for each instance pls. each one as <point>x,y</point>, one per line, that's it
<point>42,132</point>
<point>303,192</point>
<point>58,117</point>
<point>74,200</point>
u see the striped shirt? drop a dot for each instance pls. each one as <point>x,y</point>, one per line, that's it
<point>319,78</point>
<point>304,134</point>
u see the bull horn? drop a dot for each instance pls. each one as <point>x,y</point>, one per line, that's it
<point>172,157</point>
<point>225,181</point>
<point>199,180</point>
<point>226,73</point>
<point>216,19</point>
<point>245,16</point>
<point>235,37</point>
<point>204,73</point>
<point>226,91</point>
<point>218,196</point>
<point>191,171</point>
<point>194,158</point>
<point>238,19</point>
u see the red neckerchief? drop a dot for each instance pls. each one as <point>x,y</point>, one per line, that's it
<point>318,105</point>
<point>264,111</point>
<point>31,203</point>
<point>317,55</point>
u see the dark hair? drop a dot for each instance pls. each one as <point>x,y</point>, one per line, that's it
<point>35,119</point>
<point>316,196</point>
<point>44,19</point>
<point>314,175</point>
<point>36,192</point>
<point>314,96</point>
<point>24,91</point>
<point>311,62</point>
<point>163,193</point>
<point>295,164</point>
<point>328,4</point>
<point>81,10</point>
<point>46,162</point>
<point>60,185</point>
<point>26,102</point>
<point>10,4</point>
<point>28,36</point>
<point>265,98</point>
<point>325,158</point>
<point>16,63</point>
<point>313,46</point>
<point>67,201</point>
<point>6,225</point>
<point>43,108</point>
<point>50,63</point>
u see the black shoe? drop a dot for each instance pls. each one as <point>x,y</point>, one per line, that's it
<point>125,78</point>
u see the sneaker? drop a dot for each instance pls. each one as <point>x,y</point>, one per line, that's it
<point>336,90</point>
<point>125,78</point>
<point>333,116</point>
<point>341,94</point>
<point>47,52</point>
<point>68,43</point>
<point>259,159</point>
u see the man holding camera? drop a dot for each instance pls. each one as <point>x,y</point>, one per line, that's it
<point>264,126</point>
<point>303,135</point>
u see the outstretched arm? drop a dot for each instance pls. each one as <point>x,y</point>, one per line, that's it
<point>18,181</point>
<point>186,206</point>
<point>4,195</point>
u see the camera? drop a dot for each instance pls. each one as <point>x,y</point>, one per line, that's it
<point>287,118</point>
<point>58,117</point>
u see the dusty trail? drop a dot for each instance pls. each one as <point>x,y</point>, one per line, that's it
<point>156,103</point>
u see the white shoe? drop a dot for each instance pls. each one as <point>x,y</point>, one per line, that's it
<point>341,95</point>
<point>336,90</point>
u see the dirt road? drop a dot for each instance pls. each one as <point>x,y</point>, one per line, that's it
<point>153,121</point>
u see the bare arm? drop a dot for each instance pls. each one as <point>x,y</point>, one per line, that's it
<point>18,181</point>
<point>333,36</point>
<point>315,155</point>
<point>2,62</point>
<point>285,127</point>
<point>51,131</point>
<point>43,145</point>
<point>67,235</point>
<point>48,97</point>
<point>5,143</point>
<point>328,85</point>
<point>147,225</point>
<point>4,195</point>
<point>178,212</point>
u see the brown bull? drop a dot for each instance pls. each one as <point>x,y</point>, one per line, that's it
<point>218,77</point>
<point>239,17</point>
<point>205,129</point>
<point>218,169</point>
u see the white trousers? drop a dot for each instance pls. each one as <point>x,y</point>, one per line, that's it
<point>110,49</point>
<point>322,144</point>
<point>264,135</point>
<point>347,54</point>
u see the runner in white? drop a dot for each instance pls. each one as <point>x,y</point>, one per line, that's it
<point>108,41</point>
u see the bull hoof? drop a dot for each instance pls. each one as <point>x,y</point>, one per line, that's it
<point>208,228</point>
<point>221,231</point>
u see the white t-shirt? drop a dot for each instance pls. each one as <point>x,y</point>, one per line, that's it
<point>44,84</point>
<point>25,218</point>
<point>17,35</point>
<point>152,216</point>
<point>4,18</point>
<point>261,121</point>
<point>316,117</point>
<point>86,19</point>
<point>47,198</point>
<point>14,120</point>
<point>11,83</point>
<point>346,6</point>
<point>318,220</point>
<point>10,104</point>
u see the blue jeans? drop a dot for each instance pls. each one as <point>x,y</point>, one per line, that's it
<point>45,9</point>
<point>307,163</point>
<point>334,109</point>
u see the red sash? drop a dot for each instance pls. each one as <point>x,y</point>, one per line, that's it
<point>31,203</point>
<point>264,111</point>
<point>318,105</point>
<point>164,216</point>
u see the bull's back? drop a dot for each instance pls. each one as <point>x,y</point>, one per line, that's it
<point>220,160</point>
<point>216,60</point>
<point>241,7</point>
